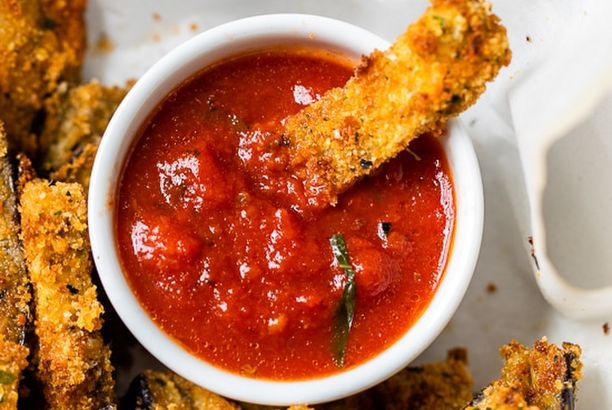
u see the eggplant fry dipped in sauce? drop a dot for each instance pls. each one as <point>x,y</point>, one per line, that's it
<point>434,71</point>
<point>73,361</point>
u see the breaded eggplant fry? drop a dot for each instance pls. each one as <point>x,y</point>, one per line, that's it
<point>41,43</point>
<point>76,120</point>
<point>157,390</point>
<point>433,72</point>
<point>437,386</point>
<point>14,288</point>
<point>73,361</point>
<point>542,378</point>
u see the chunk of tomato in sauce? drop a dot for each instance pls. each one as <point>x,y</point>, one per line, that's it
<point>158,241</point>
<point>374,270</point>
<point>193,180</point>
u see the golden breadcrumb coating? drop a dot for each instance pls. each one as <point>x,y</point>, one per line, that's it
<point>73,361</point>
<point>13,359</point>
<point>445,385</point>
<point>66,17</point>
<point>164,390</point>
<point>541,378</point>
<point>14,288</point>
<point>41,43</point>
<point>433,72</point>
<point>76,120</point>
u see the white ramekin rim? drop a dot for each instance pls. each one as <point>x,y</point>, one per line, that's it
<point>233,38</point>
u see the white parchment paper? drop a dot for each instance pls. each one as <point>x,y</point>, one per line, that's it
<point>559,79</point>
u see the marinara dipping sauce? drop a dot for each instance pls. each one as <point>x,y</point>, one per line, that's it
<point>244,280</point>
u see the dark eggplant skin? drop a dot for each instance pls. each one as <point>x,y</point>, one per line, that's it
<point>568,396</point>
<point>478,397</point>
<point>139,395</point>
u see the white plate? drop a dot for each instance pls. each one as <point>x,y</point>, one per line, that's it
<point>141,32</point>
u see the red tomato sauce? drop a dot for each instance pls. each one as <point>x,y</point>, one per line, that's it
<point>243,280</point>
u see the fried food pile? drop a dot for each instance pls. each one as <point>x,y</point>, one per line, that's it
<point>541,378</point>
<point>51,318</point>
<point>431,73</point>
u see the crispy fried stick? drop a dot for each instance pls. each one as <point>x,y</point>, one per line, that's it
<point>73,361</point>
<point>433,72</point>
<point>14,288</point>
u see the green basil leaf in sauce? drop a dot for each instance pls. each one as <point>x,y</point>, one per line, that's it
<point>346,309</point>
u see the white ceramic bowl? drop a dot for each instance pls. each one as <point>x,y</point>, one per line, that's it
<point>207,48</point>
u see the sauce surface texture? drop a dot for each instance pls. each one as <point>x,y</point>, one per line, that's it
<point>246,281</point>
